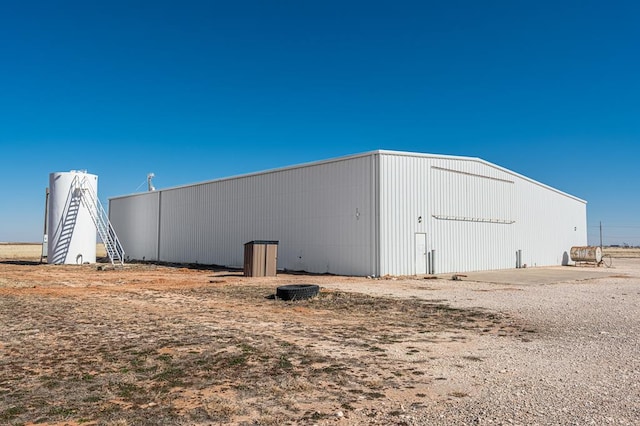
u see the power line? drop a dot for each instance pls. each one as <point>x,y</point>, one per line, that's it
<point>615,226</point>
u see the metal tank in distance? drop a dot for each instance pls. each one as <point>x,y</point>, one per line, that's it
<point>71,230</point>
<point>592,254</point>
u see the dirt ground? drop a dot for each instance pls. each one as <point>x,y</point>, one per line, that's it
<point>154,345</point>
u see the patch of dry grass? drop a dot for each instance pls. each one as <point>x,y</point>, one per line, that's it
<point>139,354</point>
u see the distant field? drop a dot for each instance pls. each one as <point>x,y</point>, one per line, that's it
<point>32,251</point>
<point>622,252</point>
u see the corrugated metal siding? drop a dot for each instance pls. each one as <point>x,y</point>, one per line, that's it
<point>471,216</point>
<point>403,199</point>
<point>135,220</point>
<point>359,216</point>
<point>475,216</point>
<point>549,224</point>
<point>322,215</point>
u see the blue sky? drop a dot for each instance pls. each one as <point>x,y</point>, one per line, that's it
<point>199,90</point>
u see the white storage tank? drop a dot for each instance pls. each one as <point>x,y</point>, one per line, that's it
<point>71,230</point>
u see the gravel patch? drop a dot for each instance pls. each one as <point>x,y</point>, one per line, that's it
<point>577,365</point>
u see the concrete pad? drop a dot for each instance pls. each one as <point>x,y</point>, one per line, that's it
<point>534,276</point>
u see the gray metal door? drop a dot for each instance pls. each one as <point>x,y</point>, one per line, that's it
<point>421,253</point>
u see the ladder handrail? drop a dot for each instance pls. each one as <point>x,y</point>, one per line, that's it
<point>100,219</point>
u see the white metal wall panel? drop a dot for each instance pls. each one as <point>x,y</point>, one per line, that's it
<point>549,224</point>
<point>321,214</point>
<point>135,220</point>
<point>403,182</point>
<point>476,215</point>
<point>359,216</point>
<point>471,216</point>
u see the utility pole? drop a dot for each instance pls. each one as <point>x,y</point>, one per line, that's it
<point>600,235</point>
<point>45,238</point>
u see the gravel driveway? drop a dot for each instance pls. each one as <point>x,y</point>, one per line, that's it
<point>580,365</point>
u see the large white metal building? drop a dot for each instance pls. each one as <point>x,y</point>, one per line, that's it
<point>376,213</point>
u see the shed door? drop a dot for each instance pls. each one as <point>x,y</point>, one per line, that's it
<point>421,253</point>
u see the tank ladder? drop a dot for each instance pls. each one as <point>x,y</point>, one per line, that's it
<point>101,220</point>
<point>64,230</point>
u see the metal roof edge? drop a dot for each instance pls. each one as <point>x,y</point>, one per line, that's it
<point>359,155</point>
<point>262,172</point>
